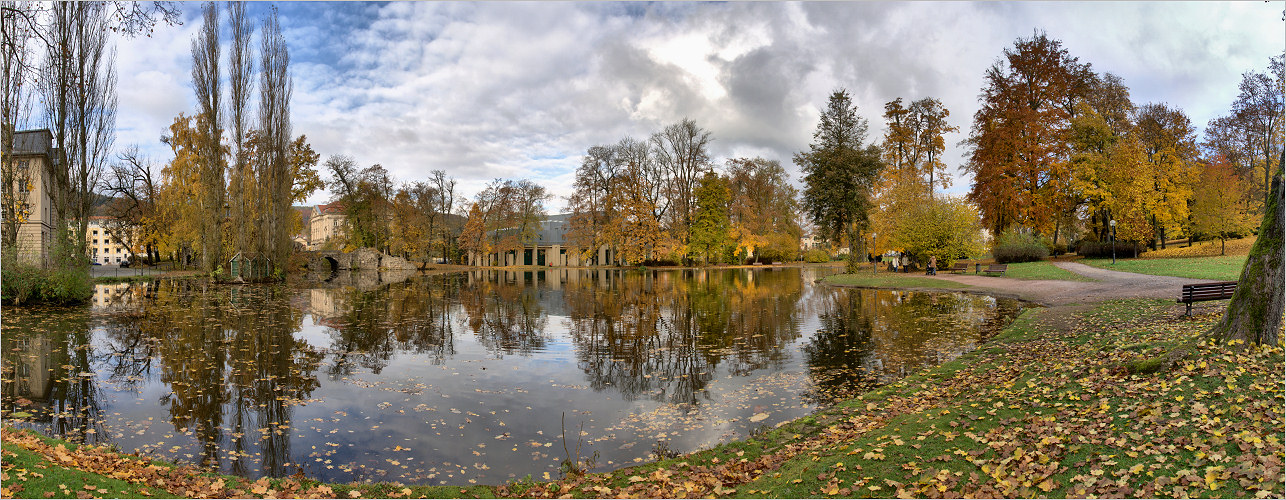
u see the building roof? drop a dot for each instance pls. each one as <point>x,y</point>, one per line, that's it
<point>333,208</point>
<point>33,142</point>
<point>553,230</point>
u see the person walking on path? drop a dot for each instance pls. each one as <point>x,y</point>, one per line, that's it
<point>933,265</point>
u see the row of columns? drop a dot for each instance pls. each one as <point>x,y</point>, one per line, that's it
<point>554,256</point>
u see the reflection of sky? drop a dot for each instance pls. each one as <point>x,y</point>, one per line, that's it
<point>487,416</point>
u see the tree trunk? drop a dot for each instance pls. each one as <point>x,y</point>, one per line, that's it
<point>854,246</point>
<point>1255,312</point>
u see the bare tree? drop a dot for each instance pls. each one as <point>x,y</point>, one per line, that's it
<point>273,170</point>
<point>78,85</point>
<point>15,107</point>
<point>681,149</point>
<point>134,181</point>
<point>240,80</point>
<point>444,188</point>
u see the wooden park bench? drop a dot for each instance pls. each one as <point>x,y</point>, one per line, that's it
<point>960,267</point>
<point>996,268</point>
<point>1199,292</point>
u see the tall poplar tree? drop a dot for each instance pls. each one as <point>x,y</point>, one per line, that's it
<point>206,83</point>
<point>273,170</point>
<point>241,188</point>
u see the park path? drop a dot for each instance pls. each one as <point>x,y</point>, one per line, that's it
<point>1109,285</point>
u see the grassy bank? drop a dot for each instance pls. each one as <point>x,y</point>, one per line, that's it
<point>1225,268</point>
<point>893,280</point>
<point>39,467</point>
<point>1041,270</point>
<point>1046,408</point>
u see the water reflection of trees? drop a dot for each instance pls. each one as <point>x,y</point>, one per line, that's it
<point>230,360</point>
<point>505,311</point>
<point>661,335</point>
<point>869,337</point>
<point>368,327</point>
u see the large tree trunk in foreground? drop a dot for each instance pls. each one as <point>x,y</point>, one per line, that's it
<point>1255,312</point>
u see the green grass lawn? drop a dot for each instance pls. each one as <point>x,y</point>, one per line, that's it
<point>1223,268</point>
<point>1041,270</point>
<point>892,280</point>
<point>36,466</point>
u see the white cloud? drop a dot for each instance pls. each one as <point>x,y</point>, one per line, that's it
<point>487,90</point>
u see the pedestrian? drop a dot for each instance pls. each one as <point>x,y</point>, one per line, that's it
<point>933,265</point>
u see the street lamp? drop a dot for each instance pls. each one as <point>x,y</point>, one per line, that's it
<point>873,264</point>
<point>1113,224</point>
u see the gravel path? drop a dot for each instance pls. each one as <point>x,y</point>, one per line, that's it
<point>1109,285</point>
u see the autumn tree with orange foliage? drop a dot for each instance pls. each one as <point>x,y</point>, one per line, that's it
<point>912,151</point>
<point>1019,139</point>
<point>763,209</point>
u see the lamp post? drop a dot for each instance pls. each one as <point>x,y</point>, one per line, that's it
<point>1113,224</point>
<point>873,264</point>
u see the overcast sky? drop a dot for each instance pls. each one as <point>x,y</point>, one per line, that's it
<point>520,90</point>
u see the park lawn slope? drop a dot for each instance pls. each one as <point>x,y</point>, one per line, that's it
<point>37,466</point>
<point>893,280</point>
<point>1041,270</point>
<point>1225,268</point>
<point>1047,408</point>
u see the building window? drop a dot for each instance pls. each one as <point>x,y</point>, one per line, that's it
<point>24,186</point>
<point>95,241</point>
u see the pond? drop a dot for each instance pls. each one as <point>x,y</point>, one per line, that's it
<point>478,376</point>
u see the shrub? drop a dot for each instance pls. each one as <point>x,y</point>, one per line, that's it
<point>816,256</point>
<point>1104,248</point>
<point>1018,245</point>
<point>24,284</point>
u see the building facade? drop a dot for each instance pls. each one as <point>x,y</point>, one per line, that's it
<point>549,248</point>
<point>31,209</point>
<point>104,244</point>
<point>326,223</point>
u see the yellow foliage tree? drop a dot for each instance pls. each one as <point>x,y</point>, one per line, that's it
<point>947,228</point>
<point>1218,207</point>
<point>182,195</point>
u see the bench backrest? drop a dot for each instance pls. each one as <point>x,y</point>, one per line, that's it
<point>997,267</point>
<point>1208,291</point>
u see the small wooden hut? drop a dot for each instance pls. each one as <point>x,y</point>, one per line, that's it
<point>249,267</point>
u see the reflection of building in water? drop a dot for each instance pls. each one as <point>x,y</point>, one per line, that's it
<point>326,304</point>
<point>111,294</point>
<point>122,294</point>
<point>28,370</point>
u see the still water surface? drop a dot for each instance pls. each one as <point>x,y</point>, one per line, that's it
<point>470,376</point>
